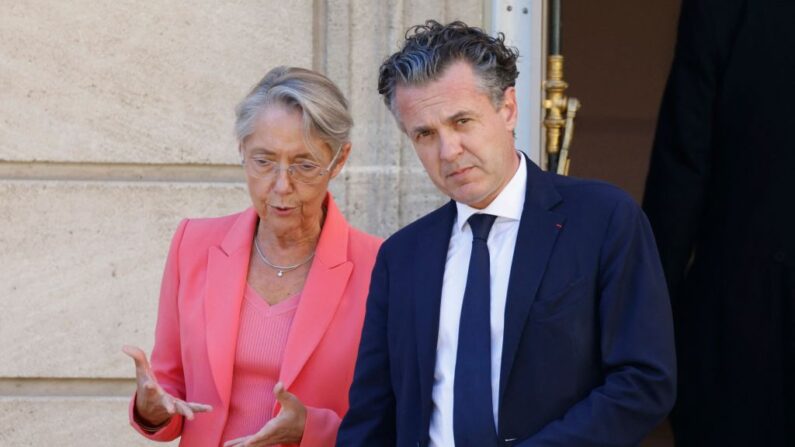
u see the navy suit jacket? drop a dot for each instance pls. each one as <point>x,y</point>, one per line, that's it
<point>588,353</point>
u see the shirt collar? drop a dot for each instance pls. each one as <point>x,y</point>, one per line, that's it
<point>509,202</point>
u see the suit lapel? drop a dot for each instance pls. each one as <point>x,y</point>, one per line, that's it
<point>432,246</point>
<point>227,268</point>
<point>538,231</point>
<point>324,289</point>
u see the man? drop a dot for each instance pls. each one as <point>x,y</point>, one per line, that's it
<point>548,324</point>
<point>719,198</point>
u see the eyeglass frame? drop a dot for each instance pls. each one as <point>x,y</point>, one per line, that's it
<point>292,167</point>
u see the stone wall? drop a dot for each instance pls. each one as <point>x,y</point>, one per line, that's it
<point>115,122</point>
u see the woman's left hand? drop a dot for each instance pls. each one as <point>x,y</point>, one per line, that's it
<point>286,428</point>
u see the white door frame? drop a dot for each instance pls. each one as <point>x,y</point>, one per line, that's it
<point>524,24</point>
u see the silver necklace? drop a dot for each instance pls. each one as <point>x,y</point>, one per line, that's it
<point>280,269</point>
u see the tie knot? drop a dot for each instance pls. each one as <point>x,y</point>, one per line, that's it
<point>481,225</point>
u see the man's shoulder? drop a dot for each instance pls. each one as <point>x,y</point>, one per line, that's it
<point>574,188</point>
<point>593,195</point>
<point>408,236</point>
<point>595,209</point>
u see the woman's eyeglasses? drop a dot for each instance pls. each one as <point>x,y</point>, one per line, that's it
<point>305,172</point>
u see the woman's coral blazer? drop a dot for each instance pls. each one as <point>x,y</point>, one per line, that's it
<point>198,316</point>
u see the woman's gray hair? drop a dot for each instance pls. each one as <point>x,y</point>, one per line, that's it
<point>321,103</point>
<point>430,48</point>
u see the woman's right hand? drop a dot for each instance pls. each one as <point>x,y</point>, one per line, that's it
<point>153,404</point>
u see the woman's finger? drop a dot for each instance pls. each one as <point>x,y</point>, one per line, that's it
<point>143,371</point>
<point>236,442</point>
<point>183,409</point>
<point>286,399</point>
<point>139,357</point>
<point>255,441</point>
<point>199,408</point>
<point>266,435</point>
<point>168,403</point>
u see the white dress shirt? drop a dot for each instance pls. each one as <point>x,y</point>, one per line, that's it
<point>507,206</point>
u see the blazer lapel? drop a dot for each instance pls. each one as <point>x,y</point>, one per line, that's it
<point>432,245</point>
<point>538,231</point>
<point>323,290</point>
<point>227,269</point>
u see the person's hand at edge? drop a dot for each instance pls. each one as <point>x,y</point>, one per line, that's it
<point>153,404</point>
<point>286,428</point>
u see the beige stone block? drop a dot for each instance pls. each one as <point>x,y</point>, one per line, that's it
<point>369,198</point>
<point>359,36</point>
<point>385,186</point>
<point>81,267</point>
<point>416,12</point>
<point>125,81</point>
<point>378,187</point>
<point>419,196</point>
<point>68,422</point>
<point>381,200</point>
<point>470,12</point>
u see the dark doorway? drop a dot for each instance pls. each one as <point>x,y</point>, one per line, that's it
<point>618,54</point>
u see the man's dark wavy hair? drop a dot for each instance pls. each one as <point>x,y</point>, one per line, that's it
<point>430,48</point>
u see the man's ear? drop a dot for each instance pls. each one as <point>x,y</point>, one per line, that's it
<point>510,109</point>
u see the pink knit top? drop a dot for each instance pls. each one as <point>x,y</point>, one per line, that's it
<point>261,339</point>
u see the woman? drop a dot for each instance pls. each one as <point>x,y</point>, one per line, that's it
<point>268,300</point>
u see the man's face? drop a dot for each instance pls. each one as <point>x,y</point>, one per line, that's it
<point>464,143</point>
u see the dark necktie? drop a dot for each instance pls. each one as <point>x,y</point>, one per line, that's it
<point>473,418</point>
